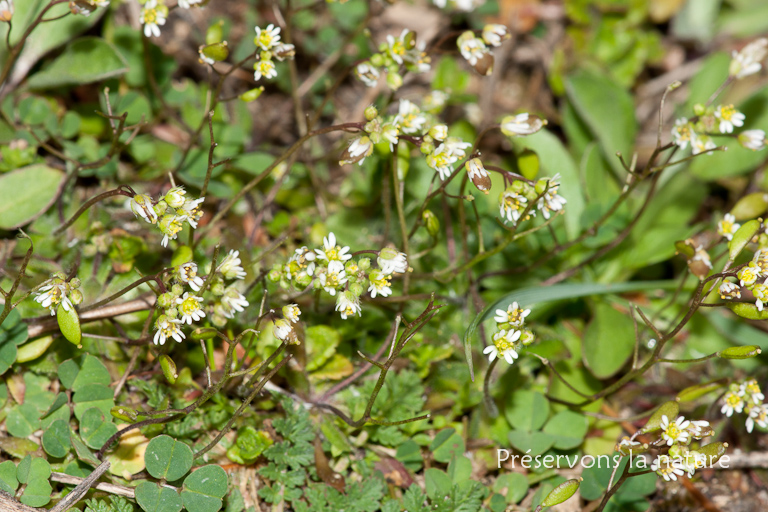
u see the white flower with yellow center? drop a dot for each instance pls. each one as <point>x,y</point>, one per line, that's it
<point>441,160</point>
<point>141,206</point>
<point>357,151</point>
<point>472,48</point>
<point>666,468</point>
<point>760,291</point>
<point>732,402</point>
<point>682,132</point>
<point>292,312</point>
<point>187,4</point>
<point>187,274</point>
<point>391,261</point>
<point>749,274</point>
<point>409,117</point>
<point>348,304</point>
<point>265,68</point>
<point>396,47</point>
<point>176,197</point>
<point>267,38</point>
<point>368,74</point>
<point>551,201</point>
<point>331,251</point>
<point>170,225</point>
<point>167,328</point>
<point>475,169</point>
<point>521,124</point>
<point>435,101</point>
<point>494,34</point>
<point>503,346</point>
<point>283,330</point>
<point>233,301</point>
<point>54,294</point>
<point>730,291</point>
<point>380,284</point>
<point>231,267</point>
<point>191,308</point>
<point>752,139</point>
<point>514,315</point>
<point>699,428</point>
<point>303,260</point>
<point>729,117</point>
<point>674,432</point>
<point>439,132</point>
<point>191,209</point>
<point>749,60</point>
<point>511,206</point>
<point>153,16</point>
<point>457,147</point>
<point>751,389</point>
<point>728,226</point>
<point>757,414</point>
<point>701,143</point>
<point>334,277</point>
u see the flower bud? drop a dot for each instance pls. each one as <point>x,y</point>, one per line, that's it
<point>431,222</point>
<point>161,207</point>
<point>171,313</point>
<point>371,113</point>
<point>484,65</point>
<point>177,290</point>
<point>303,279</point>
<point>165,300</point>
<point>217,51</point>
<point>377,59</point>
<point>394,80</point>
<point>357,289</point>
<point>176,197</point>
<point>283,331</point>
<point>427,147</point>
<point>76,297</point>
<point>477,173</point>
<point>439,132</point>
<point>218,320</point>
<point>74,283</point>
<point>218,288</point>
<point>364,263</point>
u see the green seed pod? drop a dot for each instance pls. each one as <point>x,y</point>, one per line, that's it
<point>394,80</point>
<point>124,413</point>
<point>713,452</point>
<point>252,95</point>
<point>357,289</point>
<point>203,333</point>
<point>74,283</point>
<point>169,368</point>
<point>33,349</point>
<point>76,297</point>
<point>668,409</point>
<point>745,352</point>
<point>561,493</point>
<point>695,392</point>
<point>431,223</point>
<point>215,33</point>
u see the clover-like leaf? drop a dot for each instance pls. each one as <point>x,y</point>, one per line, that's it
<point>95,428</point>
<point>56,442</point>
<point>151,497</point>
<point>22,420</point>
<point>204,489</point>
<point>81,371</point>
<point>8,480</point>
<point>167,458</point>
<point>37,493</point>
<point>447,444</point>
<point>93,395</point>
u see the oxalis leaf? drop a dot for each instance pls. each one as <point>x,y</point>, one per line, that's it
<point>151,497</point>
<point>204,489</point>
<point>530,296</point>
<point>167,458</point>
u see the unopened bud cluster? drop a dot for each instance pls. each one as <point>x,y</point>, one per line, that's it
<point>396,53</point>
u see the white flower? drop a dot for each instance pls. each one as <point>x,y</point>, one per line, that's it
<point>551,201</point>
<point>728,226</point>
<point>192,211</point>
<point>292,312</point>
<point>749,274</point>
<point>435,101</point>
<point>674,432</point>
<point>396,47</point>
<point>283,330</point>
<point>732,401</point>
<point>748,61</point>
<point>468,5</point>
<point>730,291</point>
<point>752,389</point>
<point>167,328</point>
<point>334,277</point>
<point>701,143</point>
<point>191,308</point>
<point>439,132</point>
<point>757,414</point>
<point>357,151</point>
<point>233,300</point>
<point>141,206</point>
<point>472,48</point>
<point>752,139</point>
<point>475,169</point>
<point>284,51</point>
<point>409,117</point>
<point>696,428</point>
<point>503,346</point>
<point>521,124</point>
<point>203,57</point>
<point>391,261</point>
<point>83,7</point>
<point>348,304</point>
<point>494,33</point>
<point>389,132</point>
<point>514,315</point>
<point>6,10</point>
<point>511,206</point>
<point>367,74</point>
<point>187,274</point>
<point>456,146</point>
<point>186,4</point>
<point>441,160</point>
<point>760,291</point>
<point>380,284</point>
<point>682,132</point>
<point>230,267</point>
<point>53,294</point>
<point>170,225</point>
<point>331,251</point>
<point>176,197</point>
<point>267,38</point>
<point>670,469</point>
<point>303,260</point>
<point>729,117</point>
<point>265,68</point>
<point>153,16</point>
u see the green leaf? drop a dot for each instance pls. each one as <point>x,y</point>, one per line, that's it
<point>95,428</point>
<point>409,453</point>
<point>437,483</point>
<point>13,330</point>
<point>537,294</point>
<point>561,493</point>
<point>516,485</point>
<point>608,110</point>
<point>321,343</point>
<point>447,444</point>
<point>82,451</point>
<point>527,410</point>
<point>697,391</point>
<point>459,469</point>
<point>750,206</point>
<point>609,340</point>
<point>536,442</point>
<point>32,468</point>
<point>151,497</point>
<point>8,480</point>
<point>22,420</point>
<point>56,442</point>
<point>204,489</point>
<point>26,193</point>
<point>37,493</point>
<point>85,60</point>
<point>742,237</point>
<point>69,323</point>
<point>34,349</point>
<point>8,352</point>
<point>93,395</point>
<point>167,458</point>
<point>568,429</point>
<point>76,373</point>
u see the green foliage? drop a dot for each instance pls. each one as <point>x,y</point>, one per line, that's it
<point>168,458</point>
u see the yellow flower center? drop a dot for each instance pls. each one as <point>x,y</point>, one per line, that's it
<point>727,112</point>
<point>190,305</point>
<point>150,16</point>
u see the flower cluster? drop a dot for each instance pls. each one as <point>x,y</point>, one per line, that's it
<point>154,13</point>
<point>515,200</point>
<point>395,52</point>
<point>58,291</point>
<point>719,120</point>
<point>181,306</point>
<point>476,50</point>
<point>746,397</point>
<point>512,336</point>
<point>86,7</point>
<point>678,434</point>
<point>333,270</point>
<point>753,277</point>
<point>270,47</point>
<point>169,213</point>
<point>749,60</point>
<point>728,226</point>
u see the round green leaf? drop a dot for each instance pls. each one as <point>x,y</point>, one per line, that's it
<point>56,442</point>
<point>167,458</point>
<point>527,410</point>
<point>33,468</point>
<point>37,493</point>
<point>26,193</point>
<point>568,429</point>
<point>536,442</point>
<point>69,323</point>
<point>8,480</point>
<point>446,445</point>
<point>81,371</point>
<point>85,60</point>
<point>95,430</point>
<point>8,353</point>
<point>151,497</point>
<point>22,420</point>
<point>204,489</point>
<point>93,395</point>
<point>516,485</point>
